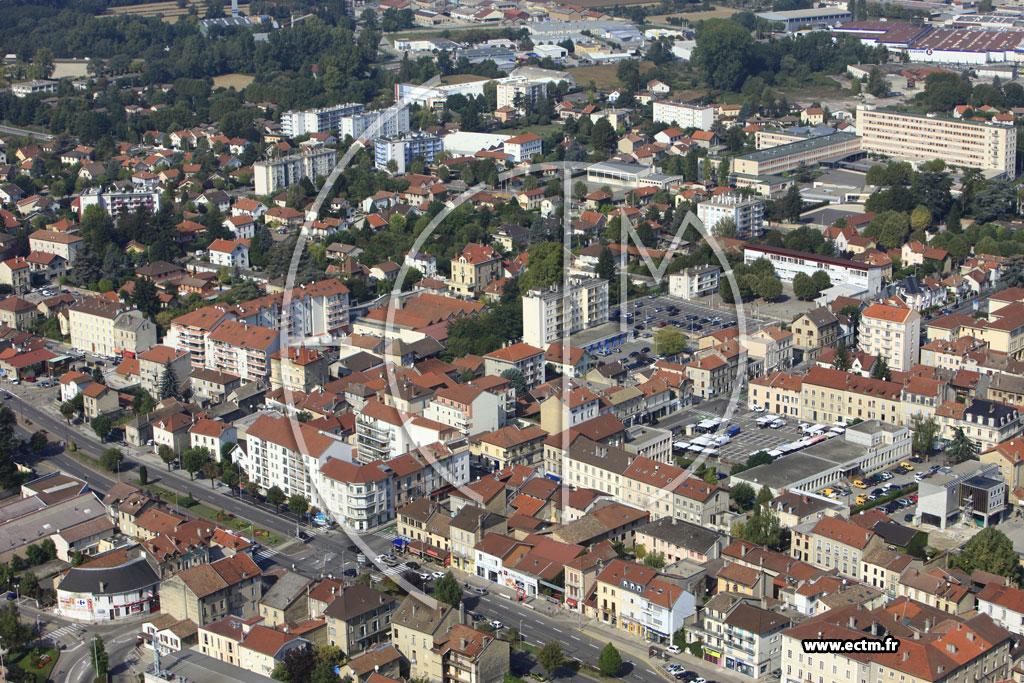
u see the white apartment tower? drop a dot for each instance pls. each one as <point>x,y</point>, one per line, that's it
<point>892,333</point>
<point>371,124</point>
<point>276,174</point>
<point>549,314</point>
<point>747,212</point>
<point>323,120</point>
<point>684,115</point>
<point>920,137</point>
<point>526,92</point>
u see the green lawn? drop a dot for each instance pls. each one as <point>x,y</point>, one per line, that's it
<point>30,661</point>
<point>207,512</point>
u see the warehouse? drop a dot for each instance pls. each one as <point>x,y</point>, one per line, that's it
<point>820,17</point>
<point>775,160</point>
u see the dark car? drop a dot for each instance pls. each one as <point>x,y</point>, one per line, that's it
<point>878,492</point>
<point>351,571</point>
<point>646,349</point>
<point>412,565</point>
<point>639,328</point>
<point>916,460</point>
<point>476,616</point>
<point>304,536</point>
<point>696,326</point>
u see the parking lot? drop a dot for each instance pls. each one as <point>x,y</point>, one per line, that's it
<point>647,319</point>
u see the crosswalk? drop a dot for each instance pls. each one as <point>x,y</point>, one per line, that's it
<point>384,533</point>
<point>265,555</point>
<point>66,630</point>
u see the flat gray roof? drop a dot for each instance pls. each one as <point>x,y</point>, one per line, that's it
<point>799,147</point>
<point>791,469</point>
<point>596,334</point>
<point>789,15</point>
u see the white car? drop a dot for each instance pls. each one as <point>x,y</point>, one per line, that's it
<point>674,650</point>
<point>438,575</point>
<point>497,625</point>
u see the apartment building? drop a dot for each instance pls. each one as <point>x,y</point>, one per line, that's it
<point>789,262</point>
<point>523,148</point>
<point>742,636</point>
<point>746,213</point>
<point>552,314</point>
<point>467,528</point>
<point>679,541</point>
<point>383,432</point>
<point>710,376</point>
<point>414,627</point>
<point>212,435</point>
<point>508,446</point>
<point>829,395</point>
<point>633,598</point>
<point>568,409</point>
<point>106,328</point>
<point>17,273</point>
<point>985,422</point>
<point>815,330</point>
<point>273,175</point>
<point>241,349</point>
<point>773,345</point>
<point>832,543</point>
<point>322,120</point>
<point>683,115</point>
<point>189,332</point>
<point>1005,604</point>
<point>476,267</point>
<point>360,497</point>
<point>467,655</point>
<point>389,122</point>
<point>359,618</point>
<point>63,244</point>
<point>287,453</point>
<point>694,283</point>
<point>963,649</point>
<point>891,332</point>
<point>154,363</point>
<point>264,648</point>
<point>592,465</point>
<point>1008,456</point>
<point>468,408</point>
<point>527,359</point>
<point>926,137</point>
<point>313,310</point>
<point>115,203</point>
<point>230,253</point>
<point>298,368</point>
<point>520,93</point>
<point>807,152</point>
<point>669,491</point>
<point>402,149</point>
<point>17,313</point>
<point>231,586</point>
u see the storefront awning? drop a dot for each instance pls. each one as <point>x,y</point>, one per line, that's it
<point>712,652</point>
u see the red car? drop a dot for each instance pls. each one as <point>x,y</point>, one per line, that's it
<point>913,497</point>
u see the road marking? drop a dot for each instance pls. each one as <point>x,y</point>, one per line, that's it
<point>574,638</point>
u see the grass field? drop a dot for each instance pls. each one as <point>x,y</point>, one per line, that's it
<point>236,81</point>
<point>603,75</point>
<point>32,663</point>
<point>170,10</point>
<point>693,17</point>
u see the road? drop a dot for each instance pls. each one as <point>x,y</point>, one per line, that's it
<point>327,552</point>
<point>11,130</point>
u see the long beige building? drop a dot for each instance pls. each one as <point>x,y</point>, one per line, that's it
<point>106,328</point>
<point>926,137</point>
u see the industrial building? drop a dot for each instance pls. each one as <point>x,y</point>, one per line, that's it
<point>797,19</point>
<point>789,262</point>
<point>775,160</point>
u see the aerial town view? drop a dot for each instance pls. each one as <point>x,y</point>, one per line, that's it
<point>511,341</point>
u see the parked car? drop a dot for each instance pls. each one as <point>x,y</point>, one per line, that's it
<point>480,591</point>
<point>497,625</point>
<point>412,565</point>
<point>437,575</point>
<point>673,649</point>
<point>351,571</point>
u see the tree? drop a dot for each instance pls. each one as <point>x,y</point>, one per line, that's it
<point>877,85</point>
<point>323,672</point>
<point>143,475</point>
<point>744,495</point>
<point>167,454</point>
<point>710,476</point>
<point>603,137</point>
<point>38,442</point>
<point>68,410</point>
<point>723,54</point>
<point>13,634</point>
<point>610,661</point>
<point>168,382</point>
<point>841,361</point>
<point>551,656</point>
<point>655,560</point>
<point>821,280</point>
<point>515,638</point>
<point>962,447</point>
<point>723,170</point>
<point>606,264</point>
<point>99,659</point>
<point>297,667</point>
<point>210,471</point>
<point>447,590</point>
<point>996,199</point>
<point>925,430</point>
<point>920,218</point>
<point>298,505</point>
<point>275,496</point>
<point>990,551</point>
<point>517,379</point>
<point>29,585</point>
<point>953,219</point>
<point>881,370</point>
<point>803,287</point>
<point>768,287</point>
<point>669,341</point>
<point>792,204</point>
<point>42,64</point>
<point>762,528</point>
<point>144,297</point>
<point>111,459</point>
<point>764,496</point>
<point>725,228</point>
<point>101,424</point>
<point>193,459</point>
